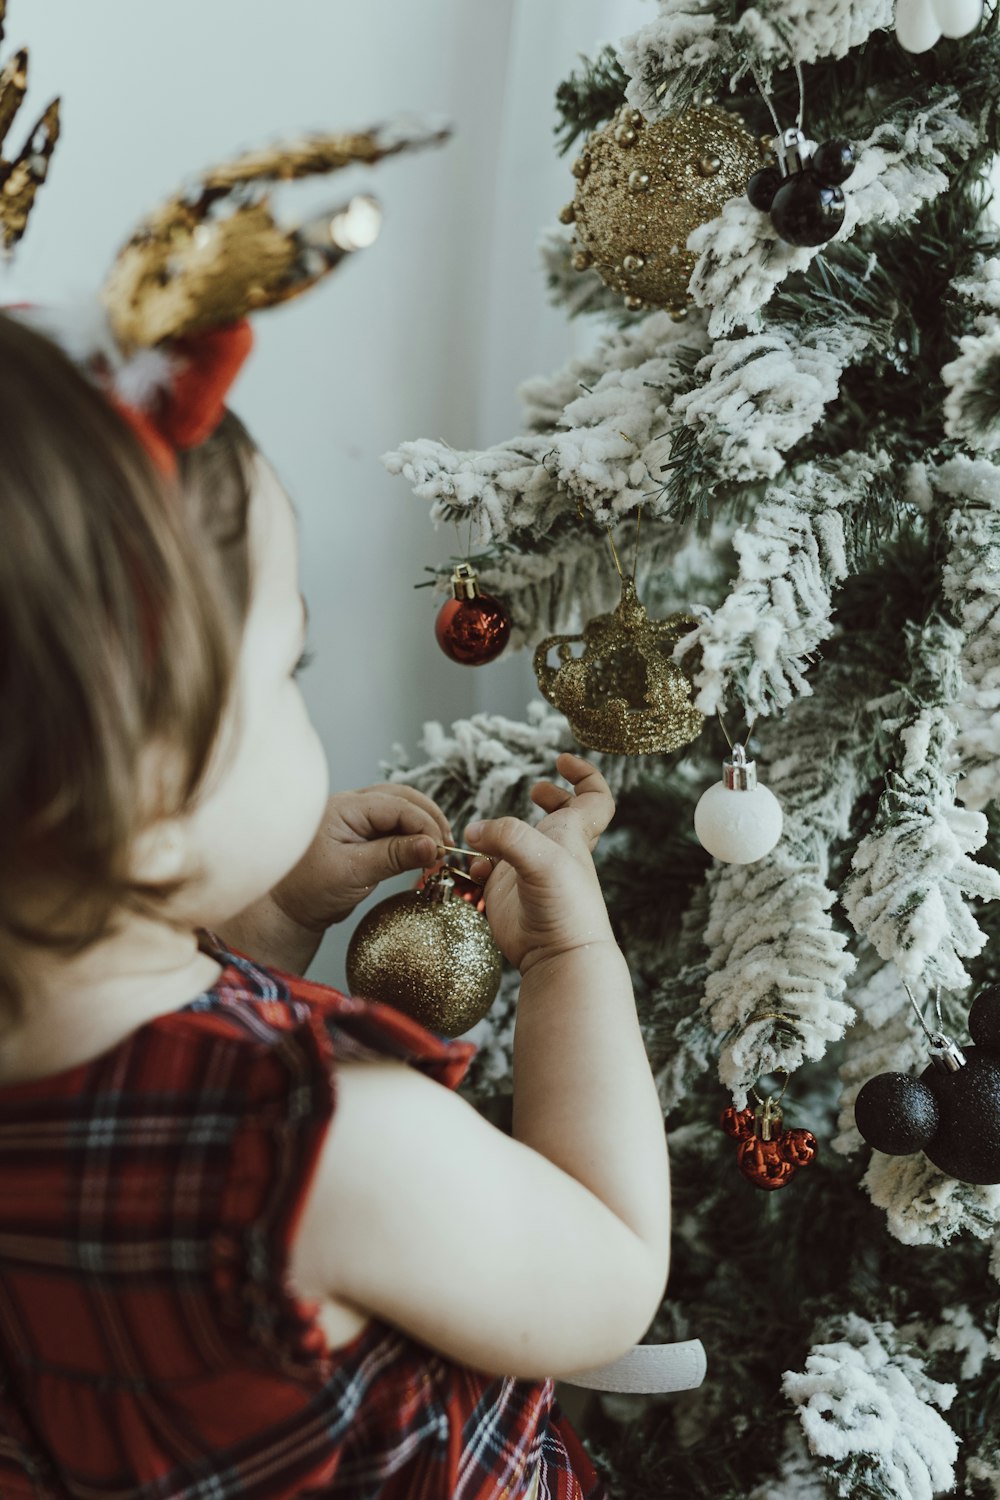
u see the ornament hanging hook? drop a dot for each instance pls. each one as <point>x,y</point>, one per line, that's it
<point>766,98</point>
<point>770,104</point>
<point>919,1014</point>
<point>635,559</point>
<point>614,553</point>
<point>802,93</point>
<point>939,1039</point>
<point>469,853</point>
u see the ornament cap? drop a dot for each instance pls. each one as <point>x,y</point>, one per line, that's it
<point>946,1055</point>
<point>465,581</point>
<point>768,1119</point>
<point>739,774</point>
<point>793,150</point>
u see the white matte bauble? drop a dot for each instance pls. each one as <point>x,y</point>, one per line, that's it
<point>922,23</point>
<point>957,17</point>
<point>916,25</point>
<point>737,820</point>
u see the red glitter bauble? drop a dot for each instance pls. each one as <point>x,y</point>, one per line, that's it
<point>472,628</point>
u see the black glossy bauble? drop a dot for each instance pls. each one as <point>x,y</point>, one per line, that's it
<point>833,162</point>
<point>984,1019</point>
<point>896,1113</point>
<point>762,187</point>
<point>967,1143</point>
<point>806,211</point>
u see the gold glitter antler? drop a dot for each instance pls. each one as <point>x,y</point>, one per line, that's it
<point>21,178</point>
<point>209,256</point>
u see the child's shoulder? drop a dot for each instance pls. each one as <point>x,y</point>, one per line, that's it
<point>260,1003</point>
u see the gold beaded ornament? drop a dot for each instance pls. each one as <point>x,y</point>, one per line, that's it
<point>623,694</point>
<point>643,186</point>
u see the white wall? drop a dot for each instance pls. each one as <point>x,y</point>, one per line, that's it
<point>426,334</point>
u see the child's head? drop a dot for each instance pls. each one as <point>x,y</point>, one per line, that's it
<point>155,752</point>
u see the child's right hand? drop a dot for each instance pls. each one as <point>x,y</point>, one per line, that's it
<point>543,898</point>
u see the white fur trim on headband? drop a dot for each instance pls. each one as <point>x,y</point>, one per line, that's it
<point>83,333</point>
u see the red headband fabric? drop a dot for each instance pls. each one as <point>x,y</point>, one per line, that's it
<point>192,407</point>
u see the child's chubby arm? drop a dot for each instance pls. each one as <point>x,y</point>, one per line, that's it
<point>365,837</point>
<point>540,1255</point>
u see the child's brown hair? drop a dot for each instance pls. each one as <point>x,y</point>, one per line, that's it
<point>122,598</point>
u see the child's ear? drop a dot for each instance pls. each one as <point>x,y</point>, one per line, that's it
<point>159,854</point>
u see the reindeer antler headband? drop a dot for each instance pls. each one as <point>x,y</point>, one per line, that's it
<point>212,254</point>
<point>21,178</point>
<point>185,281</point>
<point>176,300</point>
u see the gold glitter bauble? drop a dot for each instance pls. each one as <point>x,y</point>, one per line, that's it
<point>430,954</point>
<point>643,187</point>
<point>623,695</point>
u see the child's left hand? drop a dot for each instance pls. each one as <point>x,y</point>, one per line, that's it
<point>365,837</point>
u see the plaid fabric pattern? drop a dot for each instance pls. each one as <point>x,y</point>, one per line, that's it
<point>149,1348</point>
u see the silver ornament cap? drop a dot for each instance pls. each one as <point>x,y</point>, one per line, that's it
<point>739,774</point>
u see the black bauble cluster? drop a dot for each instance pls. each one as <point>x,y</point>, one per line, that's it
<point>953,1116</point>
<point>806,205</point>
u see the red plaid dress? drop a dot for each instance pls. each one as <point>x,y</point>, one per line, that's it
<point>149,1348</point>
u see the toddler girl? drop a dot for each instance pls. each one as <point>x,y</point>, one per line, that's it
<point>249,1245</point>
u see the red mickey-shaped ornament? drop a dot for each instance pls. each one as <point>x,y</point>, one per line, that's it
<point>738,1123</point>
<point>799,1147</point>
<point>763,1163</point>
<point>768,1155</point>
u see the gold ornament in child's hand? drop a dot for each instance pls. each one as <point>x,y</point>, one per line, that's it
<point>624,694</point>
<point>429,953</point>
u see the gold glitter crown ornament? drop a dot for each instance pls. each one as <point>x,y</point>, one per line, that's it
<point>623,694</point>
<point>643,186</point>
<point>21,178</point>
<point>216,252</point>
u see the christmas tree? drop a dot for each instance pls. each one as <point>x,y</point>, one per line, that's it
<point>805,408</point>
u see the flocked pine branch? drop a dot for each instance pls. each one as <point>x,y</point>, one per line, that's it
<point>972,405</point>
<point>588,97</point>
<point>971,582</point>
<point>696,44</point>
<point>485,767</point>
<point>792,554</point>
<point>924,1207</point>
<point>872,1415</point>
<point>912,875</point>
<point>757,397</point>
<point>603,454</point>
<point>903,164</point>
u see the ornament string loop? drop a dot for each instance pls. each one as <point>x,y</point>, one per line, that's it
<point>772,1098</point>
<point>725,731</point>
<point>944,1052</point>
<point>933,1037</point>
<point>802,94</point>
<point>614,550</point>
